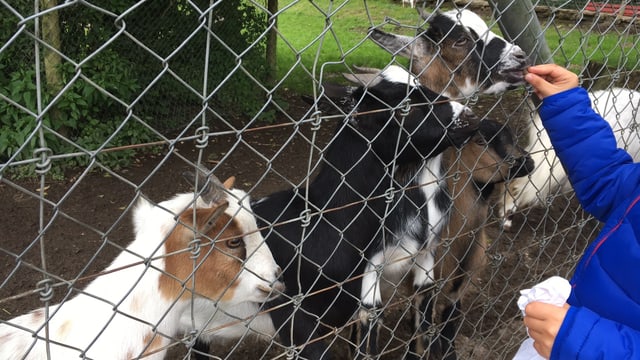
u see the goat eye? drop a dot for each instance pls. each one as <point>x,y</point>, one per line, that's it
<point>481,142</point>
<point>461,42</point>
<point>235,243</point>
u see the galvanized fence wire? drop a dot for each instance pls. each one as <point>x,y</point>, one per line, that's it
<point>184,84</point>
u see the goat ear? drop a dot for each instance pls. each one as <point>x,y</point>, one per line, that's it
<point>228,184</point>
<point>210,216</point>
<point>401,45</point>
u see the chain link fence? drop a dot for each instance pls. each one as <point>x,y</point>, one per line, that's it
<point>102,102</point>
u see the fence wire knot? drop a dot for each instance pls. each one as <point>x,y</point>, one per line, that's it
<point>203,137</point>
<point>549,200</point>
<point>473,99</point>
<point>296,300</point>
<point>388,195</point>
<point>194,246</point>
<point>44,153</point>
<point>291,353</point>
<point>305,218</point>
<point>582,223</point>
<point>46,290</point>
<point>405,107</point>
<point>373,314</point>
<point>457,176</point>
<point>190,339</point>
<point>616,75</point>
<point>496,259</point>
<point>317,120</point>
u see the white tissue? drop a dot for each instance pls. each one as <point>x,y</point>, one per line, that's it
<point>555,290</point>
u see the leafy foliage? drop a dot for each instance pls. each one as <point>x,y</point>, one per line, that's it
<point>122,62</point>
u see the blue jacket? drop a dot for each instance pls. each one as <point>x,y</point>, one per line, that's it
<point>604,319</point>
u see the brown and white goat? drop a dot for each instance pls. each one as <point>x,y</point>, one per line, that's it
<point>133,310</point>
<point>489,158</point>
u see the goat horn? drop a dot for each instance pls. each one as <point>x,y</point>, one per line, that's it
<point>423,13</point>
<point>210,188</point>
<point>366,70</point>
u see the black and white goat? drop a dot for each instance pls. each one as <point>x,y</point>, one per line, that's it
<point>620,107</point>
<point>437,227</point>
<point>457,56</point>
<point>134,309</point>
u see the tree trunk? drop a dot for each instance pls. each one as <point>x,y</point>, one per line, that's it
<point>272,42</point>
<point>51,36</point>
<point>52,58</point>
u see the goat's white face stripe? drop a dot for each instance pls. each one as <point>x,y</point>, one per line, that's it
<point>259,267</point>
<point>470,20</point>
<point>398,74</point>
<point>510,53</point>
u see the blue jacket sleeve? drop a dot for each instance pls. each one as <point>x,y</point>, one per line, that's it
<point>601,174</point>
<point>586,335</point>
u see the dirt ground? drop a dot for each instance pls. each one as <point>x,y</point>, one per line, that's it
<point>86,221</point>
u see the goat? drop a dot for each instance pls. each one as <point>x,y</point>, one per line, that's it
<point>472,173</point>
<point>461,185</point>
<point>134,308</point>
<point>618,106</point>
<point>322,236</point>
<point>457,56</point>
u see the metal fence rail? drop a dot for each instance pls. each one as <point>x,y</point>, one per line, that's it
<point>104,102</point>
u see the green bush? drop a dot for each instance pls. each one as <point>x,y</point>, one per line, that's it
<point>83,114</point>
<point>125,70</point>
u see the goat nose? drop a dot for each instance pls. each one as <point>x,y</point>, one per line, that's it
<point>521,56</point>
<point>279,287</point>
<point>470,118</point>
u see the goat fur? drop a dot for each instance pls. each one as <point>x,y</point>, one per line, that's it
<point>134,308</point>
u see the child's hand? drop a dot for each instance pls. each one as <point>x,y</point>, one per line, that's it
<point>543,322</point>
<point>550,79</point>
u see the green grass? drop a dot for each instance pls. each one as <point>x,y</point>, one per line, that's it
<point>318,39</point>
<point>574,48</point>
